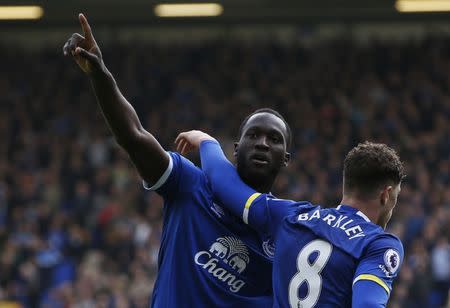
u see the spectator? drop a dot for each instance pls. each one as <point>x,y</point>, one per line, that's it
<point>77,230</point>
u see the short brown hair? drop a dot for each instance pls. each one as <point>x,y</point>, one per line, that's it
<point>369,166</point>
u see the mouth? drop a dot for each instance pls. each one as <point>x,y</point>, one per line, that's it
<point>260,159</point>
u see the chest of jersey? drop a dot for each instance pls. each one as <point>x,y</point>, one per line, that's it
<point>208,249</point>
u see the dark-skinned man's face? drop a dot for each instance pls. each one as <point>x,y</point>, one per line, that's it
<point>261,150</point>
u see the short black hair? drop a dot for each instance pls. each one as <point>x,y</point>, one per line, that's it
<point>369,166</point>
<point>275,113</point>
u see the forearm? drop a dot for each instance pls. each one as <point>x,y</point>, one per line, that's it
<point>118,112</point>
<point>143,149</point>
<point>226,184</point>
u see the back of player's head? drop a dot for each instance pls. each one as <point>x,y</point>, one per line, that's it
<point>370,166</point>
<point>275,113</point>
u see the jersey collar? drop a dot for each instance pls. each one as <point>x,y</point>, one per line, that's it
<point>353,210</point>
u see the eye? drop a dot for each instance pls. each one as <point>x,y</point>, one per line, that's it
<point>252,135</point>
<point>276,139</point>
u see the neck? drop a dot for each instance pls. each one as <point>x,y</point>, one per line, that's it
<point>258,184</point>
<point>367,206</point>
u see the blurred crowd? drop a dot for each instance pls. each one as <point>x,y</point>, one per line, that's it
<point>78,230</point>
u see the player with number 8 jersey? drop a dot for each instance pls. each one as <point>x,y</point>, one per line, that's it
<point>335,257</point>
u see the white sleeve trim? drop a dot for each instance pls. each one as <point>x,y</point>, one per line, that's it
<point>163,177</point>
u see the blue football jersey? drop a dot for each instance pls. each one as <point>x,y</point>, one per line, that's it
<point>321,253</point>
<point>207,257</point>
<point>323,257</point>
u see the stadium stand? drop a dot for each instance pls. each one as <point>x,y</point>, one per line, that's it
<point>76,227</point>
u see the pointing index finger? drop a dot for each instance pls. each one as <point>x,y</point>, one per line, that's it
<point>86,27</point>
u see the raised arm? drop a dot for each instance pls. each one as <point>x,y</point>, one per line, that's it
<point>144,150</point>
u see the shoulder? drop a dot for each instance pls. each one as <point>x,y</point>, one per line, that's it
<point>305,207</point>
<point>387,240</point>
<point>182,176</point>
<point>301,205</point>
<point>300,211</point>
<point>388,248</point>
<point>181,163</point>
<point>390,245</point>
<point>286,207</point>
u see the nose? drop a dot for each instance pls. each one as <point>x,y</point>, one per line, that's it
<point>262,143</point>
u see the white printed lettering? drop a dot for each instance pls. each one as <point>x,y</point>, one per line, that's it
<point>341,222</point>
<point>338,222</point>
<point>212,266</point>
<point>236,286</point>
<point>303,216</point>
<point>316,214</point>
<point>354,230</point>
<point>345,224</point>
<point>329,219</point>
<point>361,234</point>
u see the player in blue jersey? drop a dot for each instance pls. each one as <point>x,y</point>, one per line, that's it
<point>337,257</point>
<point>207,258</point>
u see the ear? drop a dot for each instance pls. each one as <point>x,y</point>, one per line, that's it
<point>236,148</point>
<point>385,194</point>
<point>287,159</point>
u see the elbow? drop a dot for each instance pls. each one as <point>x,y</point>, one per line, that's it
<point>131,139</point>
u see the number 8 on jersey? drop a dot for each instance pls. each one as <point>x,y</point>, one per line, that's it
<point>309,273</point>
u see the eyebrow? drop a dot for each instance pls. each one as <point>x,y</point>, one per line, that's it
<point>271,131</point>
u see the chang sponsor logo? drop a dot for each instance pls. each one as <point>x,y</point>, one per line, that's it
<point>225,250</point>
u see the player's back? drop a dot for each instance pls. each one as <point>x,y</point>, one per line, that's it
<point>322,252</point>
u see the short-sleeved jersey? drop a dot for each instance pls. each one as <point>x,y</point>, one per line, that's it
<point>207,257</point>
<point>321,253</point>
<point>323,257</point>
